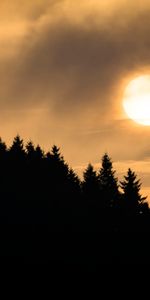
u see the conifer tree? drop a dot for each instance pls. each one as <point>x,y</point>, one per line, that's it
<point>30,149</point>
<point>17,148</point>
<point>133,200</point>
<point>108,182</point>
<point>3,155</point>
<point>3,147</point>
<point>59,166</point>
<point>39,153</point>
<point>90,184</point>
<point>73,179</point>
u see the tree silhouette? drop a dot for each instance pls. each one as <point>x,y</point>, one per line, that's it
<point>17,148</point>
<point>108,182</point>
<point>3,157</point>
<point>60,168</point>
<point>58,179</point>
<point>3,147</point>
<point>90,184</point>
<point>30,149</point>
<point>90,190</point>
<point>39,153</point>
<point>4,171</point>
<point>133,200</point>
<point>46,208</point>
<point>73,180</point>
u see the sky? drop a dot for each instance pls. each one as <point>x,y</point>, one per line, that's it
<point>64,66</point>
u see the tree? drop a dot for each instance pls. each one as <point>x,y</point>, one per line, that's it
<point>17,149</point>
<point>73,180</point>
<point>3,155</point>
<point>59,166</point>
<point>39,153</point>
<point>3,147</point>
<point>90,184</point>
<point>59,174</point>
<point>3,167</point>
<point>133,200</point>
<point>108,182</point>
<point>30,149</point>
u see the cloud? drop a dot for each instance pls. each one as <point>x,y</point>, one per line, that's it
<point>75,58</point>
<point>70,60</point>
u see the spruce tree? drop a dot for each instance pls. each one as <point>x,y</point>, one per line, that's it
<point>90,182</point>
<point>3,147</point>
<point>17,148</point>
<point>59,172</point>
<point>133,200</point>
<point>108,183</point>
<point>73,180</point>
<point>59,166</point>
<point>30,149</point>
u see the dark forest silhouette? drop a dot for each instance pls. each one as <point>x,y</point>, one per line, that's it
<point>49,216</point>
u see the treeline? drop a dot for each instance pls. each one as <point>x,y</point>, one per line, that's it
<point>47,209</point>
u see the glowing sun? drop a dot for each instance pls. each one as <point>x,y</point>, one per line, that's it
<point>136,100</point>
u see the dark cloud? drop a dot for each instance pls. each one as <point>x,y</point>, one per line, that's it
<point>64,63</point>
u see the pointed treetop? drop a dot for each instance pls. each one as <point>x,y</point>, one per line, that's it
<point>17,144</point>
<point>55,149</point>
<point>108,182</point>
<point>3,146</point>
<point>131,188</point>
<point>73,177</point>
<point>39,152</point>
<point>106,172</point>
<point>106,162</point>
<point>56,153</point>
<point>89,173</point>
<point>30,147</point>
<point>130,181</point>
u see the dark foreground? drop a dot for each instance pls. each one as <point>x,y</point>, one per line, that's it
<point>67,249</point>
<point>48,216</point>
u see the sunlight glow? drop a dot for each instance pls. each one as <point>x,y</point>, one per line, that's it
<point>136,100</point>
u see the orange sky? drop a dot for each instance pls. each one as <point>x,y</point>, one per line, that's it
<point>64,67</point>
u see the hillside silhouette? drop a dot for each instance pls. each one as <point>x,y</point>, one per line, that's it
<point>49,216</point>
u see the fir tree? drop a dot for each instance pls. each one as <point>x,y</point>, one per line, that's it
<point>108,182</point>
<point>39,153</point>
<point>58,162</point>
<point>3,147</point>
<point>17,148</point>
<point>90,183</point>
<point>30,149</point>
<point>73,179</point>
<point>133,200</point>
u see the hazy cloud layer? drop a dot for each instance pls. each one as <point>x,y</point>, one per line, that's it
<point>74,54</point>
<point>64,65</point>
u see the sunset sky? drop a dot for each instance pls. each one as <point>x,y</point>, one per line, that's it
<point>64,66</point>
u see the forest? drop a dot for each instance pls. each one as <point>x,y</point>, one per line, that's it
<point>49,216</point>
